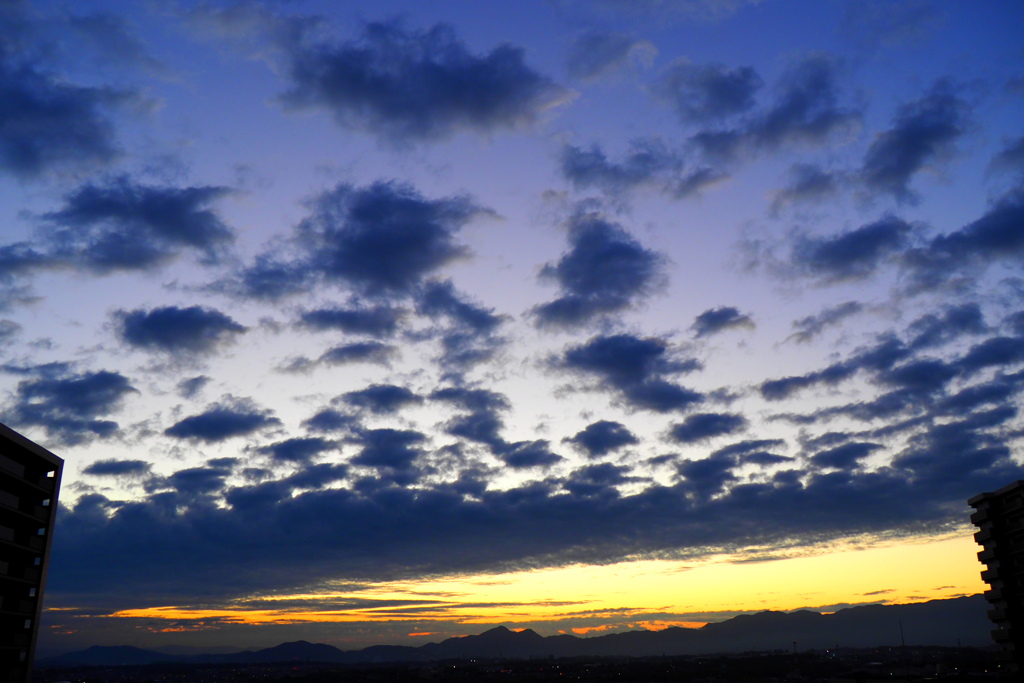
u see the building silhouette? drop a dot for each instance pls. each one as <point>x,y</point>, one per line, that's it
<point>29,483</point>
<point>999,517</point>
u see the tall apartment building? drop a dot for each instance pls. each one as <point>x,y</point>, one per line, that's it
<point>29,483</point>
<point>999,517</point>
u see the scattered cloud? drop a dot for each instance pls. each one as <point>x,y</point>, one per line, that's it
<point>412,86</point>
<point>605,271</point>
<point>176,330</point>
<point>715,320</point>
<point>222,421</point>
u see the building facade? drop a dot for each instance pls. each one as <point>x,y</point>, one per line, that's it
<point>29,483</point>
<point>999,516</point>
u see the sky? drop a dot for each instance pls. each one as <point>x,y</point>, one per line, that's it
<point>386,322</point>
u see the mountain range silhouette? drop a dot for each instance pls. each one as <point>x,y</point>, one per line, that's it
<point>952,622</point>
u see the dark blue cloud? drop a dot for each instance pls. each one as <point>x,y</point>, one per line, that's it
<point>48,124</point>
<point>597,480</point>
<point>395,449</point>
<point>811,326</point>
<point>190,388</point>
<point>707,425</point>
<point>594,54</point>
<point>845,456</point>
<point>123,225</point>
<point>299,450</point>
<point>647,164</point>
<point>472,399</point>
<point>992,352</point>
<point>850,255</point>
<point>68,406</point>
<point>708,93</point>
<point>381,399</point>
<point>635,367</point>
<point>330,420</point>
<point>922,131</point>
<point>808,184</point>
<point>997,236</point>
<point>117,468</point>
<point>1010,159</point>
<point>440,298</point>
<point>380,241</point>
<point>249,543</point>
<point>346,354</point>
<point>175,330</point>
<point>603,437</point>
<point>222,421</point>
<point>407,86</point>
<point>376,321</point>
<point>470,336</point>
<point>806,111</point>
<point>882,356</point>
<point>605,271</point>
<point>525,454</point>
<point>715,320</point>
<point>932,330</point>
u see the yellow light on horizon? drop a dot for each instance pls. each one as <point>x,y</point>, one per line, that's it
<point>640,594</point>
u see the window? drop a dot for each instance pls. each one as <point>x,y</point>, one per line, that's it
<point>32,592</point>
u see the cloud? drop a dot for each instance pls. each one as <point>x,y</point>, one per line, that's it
<point>411,86</point>
<point>806,112</point>
<point>344,354</point>
<point>117,468</point>
<point>330,420</point>
<point>998,235</point>
<point>715,320</point>
<point>297,450</point>
<point>845,456</point>
<point>707,425</point>
<point>605,271</point>
<point>808,184</point>
<point>381,399</point>
<point>250,541</point>
<point>222,421</point>
<point>439,298</point>
<point>175,330</point>
<point>1010,159</point>
<point>594,54</point>
<point>635,367</point>
<point>122,226</point>
<point>602,437</point>
<point>931,330</point>
<point>647,164</point>
<point>111,37</point>
<point>851,255</point>
<point>707,93</point>
<point>382,240</point>
<point>48,124</point>
<point>375,321</point>
<point>68,406</point>
<point>526,454</point>
<point>806,329</point>
<point>922,132</point>
<point>190,388</point>
<point>882,356</point>
<point>597,480</point>
<point>393,449</point>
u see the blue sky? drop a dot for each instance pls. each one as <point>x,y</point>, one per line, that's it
<point>322,300</point>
